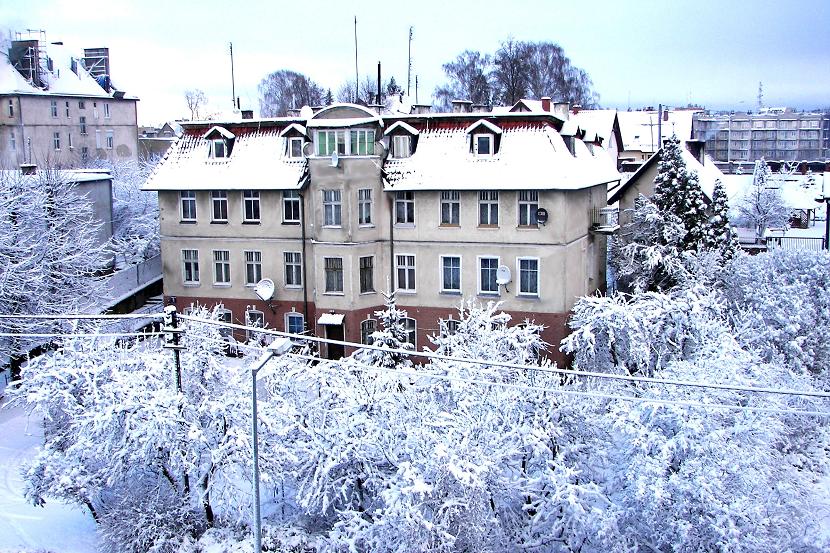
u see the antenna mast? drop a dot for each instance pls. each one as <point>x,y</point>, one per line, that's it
<point>409,64</point>
<point>233,83</point>
<point>356,80</point>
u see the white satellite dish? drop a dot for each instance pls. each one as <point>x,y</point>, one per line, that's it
<point>334,159</point>
<point>264,289</point>
<point>502,275</point>
<point>306,112</point>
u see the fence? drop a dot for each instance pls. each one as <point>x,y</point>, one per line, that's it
<point>127,281</point>
<point>795,243</point>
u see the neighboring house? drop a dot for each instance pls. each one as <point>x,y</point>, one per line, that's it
<point>604,122</point>
<point>641,131</point>
<point>61,111</point>
<point>773,134</point>
<point>642,181</point>
<point>154,142</point>
<point>344,204</point>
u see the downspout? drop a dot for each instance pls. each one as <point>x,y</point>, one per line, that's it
<point>391,240</point>
<point>305,270</point>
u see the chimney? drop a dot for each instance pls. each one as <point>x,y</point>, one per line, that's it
<point>546,103</point>
<point>420,109</point>
<point>461,106</point>
<point>697,148</point>
<point>247,114</point>
<point>561,110</point>
<point>575,109</point>
<point>665,115</point>
<point>480,108</point>
<point>28,168</point>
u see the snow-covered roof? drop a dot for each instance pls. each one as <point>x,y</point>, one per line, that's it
<point>600,121</point>
<point>796,190</point>
<point>532,155</point>
<point>401,125</point>
<point>639,128</point>
<point>221,130</point>
<point>486,124</point>
<point>294,127</point>
<point>259,161</point>
<point>69,175</point>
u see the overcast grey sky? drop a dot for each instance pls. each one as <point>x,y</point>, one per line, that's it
<point>638,53</point>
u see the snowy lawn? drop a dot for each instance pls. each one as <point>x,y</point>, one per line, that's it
<point>57,527</point>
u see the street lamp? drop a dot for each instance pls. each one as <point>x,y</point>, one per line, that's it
<point>825,199</point>
<point>275,349</point>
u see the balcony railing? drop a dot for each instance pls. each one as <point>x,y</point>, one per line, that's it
<point>605,220</point>
<point>795,243</point>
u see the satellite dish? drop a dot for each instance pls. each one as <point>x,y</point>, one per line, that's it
<point>306,112</point>
<point>502,275</point>
<point>308,149</point>
<point>334,159</point>
<point>264,289</point>
<point>542,215</point>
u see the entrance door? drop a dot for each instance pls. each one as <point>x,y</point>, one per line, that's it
<point>335,332</point>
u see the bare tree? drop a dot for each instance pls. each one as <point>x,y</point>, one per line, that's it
<point>551,74</point>
<point>467,79</point>
<point>196,100</point>
<point>511,71</point>
<point>284,89</point>
<point>762,206</point>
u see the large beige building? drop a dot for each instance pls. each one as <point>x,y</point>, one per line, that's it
<point>61,111</point>
<point>340,205</point>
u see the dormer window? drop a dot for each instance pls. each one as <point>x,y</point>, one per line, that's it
<point>483,144</point>
<point>401,146</point>
<point>218,149</point>
<point>484,138</point>
<point>295,137</point>
<point>295,147</point>
<point>403,139</point>
<point>220,142</point>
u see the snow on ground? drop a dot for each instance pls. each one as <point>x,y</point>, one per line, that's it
<point>57,527</point>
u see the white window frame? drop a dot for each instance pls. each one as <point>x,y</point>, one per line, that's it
<point>193,262</point>
<point>360,269</point>
<point>444,289</point>
<point>10,111</point>
<point>221,268</point>
<point>490,140</point>
<point>364,207</point>
<point>53,106</point>
<point>528,205</point>
<point>488,198</point>
<point>249,321</point>
<point>67,109</point>
<point>251,197</point>
<point>344,142</point>
<point>95,110</point>
<point>413,331</point>
<point>189,200</point>
<point>56,141</point>
<point>218,198</point>
<point>333,291</point>
<point>290,200</point>
<point>401,144</point>
<point>405,199</point>
<point>110,140</point>
<point>69,141</point>
<point>253,267</point>
<point>218,149</point>
<point>82,124</point>
<point>353,147</point>
<point>81,104</point>
<point>226,316</point>
<point>294,315</point>
<point>365,336</point>
<point>332,208</point>
<point>519,291</point>
<point>409,268</point>
<point>290,142</point>
<point>107,113</point>
<point>451,199</point>
<point>481,291</point>
<point>293,269</point>
<point>97,139</point>
<point>452,326</point>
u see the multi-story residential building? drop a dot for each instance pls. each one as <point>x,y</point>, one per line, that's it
<point>776,134</point>
<point>343,204</point>
<point>642,130</point>
<point>61,111</point>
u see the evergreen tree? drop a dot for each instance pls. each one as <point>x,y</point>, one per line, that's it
<point>392,87</point>
<point>391,335</point>
<point>329,99</point>
<point>719,235</point>
<point>677,191</point>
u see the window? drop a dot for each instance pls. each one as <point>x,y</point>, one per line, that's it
<point>250,200</point>
<point>221,267</point>
<point>95,110</point>
<point>254,318</point>
<point>83,124</point>
<point>106,110</point>
<point>188,205</point>
<point>367,328</point>
<point>294,323</point>
<point>11,108</point>
<point>56,140</point>
<point>190,266</point>
<point>487,275</point>
<point>367,275</point>
<point>451,274</point>
<point>528,204</point>
<point>218,148</point>
<point>253,267</point>
<point>290,206</point>
<point>405,265</point>
<point>401,146</point>
<point>488,208</point>
<point>84,153</point>
<point>404,208</point>
<point>81,104</point>
<point>451,326</point>
<point>109,140</point>
<point>295,147</point>
<point>331,208</point>
<point>364,206</point>
<point>69,141</point>
<point>225,316</point>
<point>450,207</point>
<point>329,142</point>
<point>483,144</point>
<point>67,109</point>
<point>411,330</point>
<point>12,140</point>
<point>219,205</point>
<point>362,142</point>
<point>293,269</point>
<point>334,274</point>
<point>528,276</point>
<point>54,108</point>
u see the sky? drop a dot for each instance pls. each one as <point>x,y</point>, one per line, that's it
<point>638,52</point>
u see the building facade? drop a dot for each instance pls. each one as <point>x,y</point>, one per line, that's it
<point>345,204</point>
<point>54,113</point>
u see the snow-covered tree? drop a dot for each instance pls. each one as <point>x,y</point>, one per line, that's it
<point>391,335</point>
<point>719,234</point>
<point>762,206</point>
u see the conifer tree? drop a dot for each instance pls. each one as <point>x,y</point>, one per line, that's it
<point>719,235</point>
<point>391,335</point>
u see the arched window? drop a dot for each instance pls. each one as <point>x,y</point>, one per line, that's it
<point>367,327</point>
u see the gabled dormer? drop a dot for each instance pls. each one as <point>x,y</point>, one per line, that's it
<point>220,142</point>
<point>295,137</point>
<point>403,139</point>
<point>484,138</point>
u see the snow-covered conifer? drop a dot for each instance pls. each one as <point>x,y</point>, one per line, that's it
<point>719,234</point>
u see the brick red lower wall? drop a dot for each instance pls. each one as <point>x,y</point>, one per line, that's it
<point>427,320</point>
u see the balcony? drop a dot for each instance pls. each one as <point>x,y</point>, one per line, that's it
<point>604,220</point>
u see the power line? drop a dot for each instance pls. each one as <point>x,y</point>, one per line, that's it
<point>82,317</point>
<point>505,365</point>
<point>78,335</point>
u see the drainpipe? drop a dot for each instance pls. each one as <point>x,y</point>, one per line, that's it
<point>391,240</point>
<point>305,270</point>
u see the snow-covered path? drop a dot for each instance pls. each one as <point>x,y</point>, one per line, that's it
<point>23,527</point>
